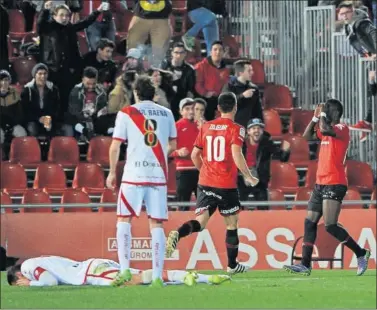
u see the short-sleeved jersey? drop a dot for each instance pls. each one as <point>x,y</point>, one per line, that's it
<point>332,156</point>
<point>147,128</point>
<point>215,139</point>
<point>65,270</point>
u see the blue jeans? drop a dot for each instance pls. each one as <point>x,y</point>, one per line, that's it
<point>206,21</point>
<point>99,30</point>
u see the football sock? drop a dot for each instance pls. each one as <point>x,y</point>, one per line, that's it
<point>232,242</point>
<point>310,235</point>
<point>342,235</point>
<point>158,252</point>
<point>189,228</point>
<point>124,238</point>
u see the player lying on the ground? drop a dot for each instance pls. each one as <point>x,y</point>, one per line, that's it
<point>55,270</point>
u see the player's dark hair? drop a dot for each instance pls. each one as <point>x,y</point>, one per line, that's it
<point>239,66</point>
<point>226,102</point>
<point>11,274</point>
<point>144,88</point>
<point>104,42</point>
<point>178,45</point>
<point>345,4</point>
<point>217,42</point>
<point>90,73</point>
<point>334,109</point>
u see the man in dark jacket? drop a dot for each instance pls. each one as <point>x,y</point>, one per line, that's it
<point>40,101</point>
<point>183,76</point>
<point>4,31</point>
<point>58,45</point>
<point>258,150</point>
<point>249,103</point>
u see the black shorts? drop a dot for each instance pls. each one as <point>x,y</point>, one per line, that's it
<point>326,192</point>
<point>211,198</point>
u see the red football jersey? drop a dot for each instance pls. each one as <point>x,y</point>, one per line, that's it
<point>332,156</point>
<point>215,139</point>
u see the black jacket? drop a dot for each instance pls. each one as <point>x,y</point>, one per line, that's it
<point>362,34</point>
<point>265,150</point>
<point>106,69</point>
<point>51,100</point>
<point>4,31</point>
<point>11,113</point>
<point>58,43</point>
<point>247,108</point>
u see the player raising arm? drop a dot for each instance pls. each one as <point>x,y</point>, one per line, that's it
<point>218,154</point>
<point>55,270</point>
<point>330,188</point>
<point>150,133</point>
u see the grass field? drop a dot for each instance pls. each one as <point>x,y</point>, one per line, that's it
<point>256,289</point>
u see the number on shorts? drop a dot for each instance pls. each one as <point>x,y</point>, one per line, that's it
<point>150,137</point>
<point>215,148</point>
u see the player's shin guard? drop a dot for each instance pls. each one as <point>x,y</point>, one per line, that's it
<point>342,235</point>
<point>232,247</point>
<point>158,252</point>
<point>310,235</point>
<point>124,238</point>
<point>189,228</point>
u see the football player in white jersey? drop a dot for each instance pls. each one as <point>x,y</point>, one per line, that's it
<point>56,270</point>
<point>150,132</point>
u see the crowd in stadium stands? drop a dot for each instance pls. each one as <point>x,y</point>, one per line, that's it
<point>67,68</point>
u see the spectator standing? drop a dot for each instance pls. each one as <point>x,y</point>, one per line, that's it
<point>187,131</point>
<point>151,20</point>
<point>249,104</point>
<point>211,76</point>
<point>101,59</point>
<point>4,31</point>
<point>258,149</point>
<point>11,114</point>
<point>40,102</point>
<point>87,104</point>
<point>183,76</point>
<point>199,12</point>
<point>59,48</point>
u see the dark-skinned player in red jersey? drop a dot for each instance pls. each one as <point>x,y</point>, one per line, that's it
<point>330,188</point>
<point>217,154</point>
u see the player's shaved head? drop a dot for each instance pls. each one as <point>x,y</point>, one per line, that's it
<point>144,88</point>
<point>334,110</point>
<point>226,102</point>
<point>12,276</point>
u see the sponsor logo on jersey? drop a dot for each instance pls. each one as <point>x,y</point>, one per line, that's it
<point>242,132</point>
<point>147,164</point>
<point>141,249</point>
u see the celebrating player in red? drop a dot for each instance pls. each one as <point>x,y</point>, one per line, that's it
<point>217,155</point>
<point>330,188</point>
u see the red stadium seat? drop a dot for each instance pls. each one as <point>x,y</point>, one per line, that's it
<point>352,194</point>
<point>232,45</point>
<point>83,43</point>
<point>172,186</point>
<point>302,194</point>
<point>360,176</point>
<point>89,177</point>
<point>374,195</point>
<point>299,151</point>
<point>13,178</point>
<point>5,199</point>
<point>16,24</point>
<point>279,98</point>
<point>299,121</point>
<point>276,195</point>
<point>23,66</point>
<point>64,151</point>
<point>284,177</point>
<point>273,124</point>
<point>51,178</point>
<point>36,196</point>
<point>28,37</point>
<point>259,76</point>
<point>109,196</point>
<point>179,5</point>
<point>26,151</point>
<point>98,151</point>
<point>119,173</point>
<point>310,176</point>
<point>75,196</point>
<point>10,48</point>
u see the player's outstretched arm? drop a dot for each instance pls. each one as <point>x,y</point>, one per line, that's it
<point>196,157</point>
<point>241,164</point>
<point>113,158</point>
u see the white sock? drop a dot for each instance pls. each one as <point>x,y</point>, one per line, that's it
<point>158,252</point>
<point>124,239</point>
<point>178,276</point>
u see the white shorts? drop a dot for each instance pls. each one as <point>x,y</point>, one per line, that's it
<point>131,197</point>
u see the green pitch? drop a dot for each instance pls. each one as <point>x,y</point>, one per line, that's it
<point>256,289</point>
